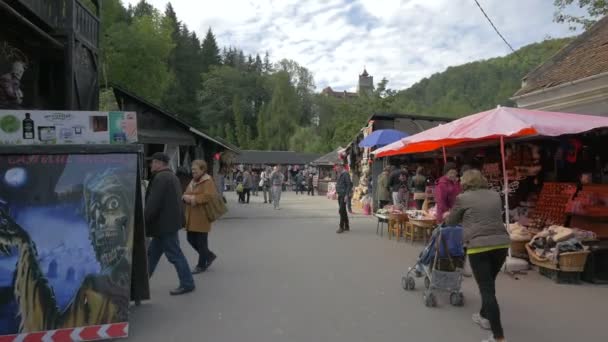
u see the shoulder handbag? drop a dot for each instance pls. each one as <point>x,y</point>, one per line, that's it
<point>215,208</point>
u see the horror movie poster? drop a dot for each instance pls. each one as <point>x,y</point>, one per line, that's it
<point>66,232</point>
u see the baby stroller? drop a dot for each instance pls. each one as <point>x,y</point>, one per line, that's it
<point>441,264</point>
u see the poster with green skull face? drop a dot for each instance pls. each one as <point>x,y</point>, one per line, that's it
<point>66,238</point>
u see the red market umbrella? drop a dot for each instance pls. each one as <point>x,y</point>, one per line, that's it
<point>498,123</point>
<point>493,124</point>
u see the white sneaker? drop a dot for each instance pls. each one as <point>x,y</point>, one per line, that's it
<point>491,339</point>
<point>482,322</point>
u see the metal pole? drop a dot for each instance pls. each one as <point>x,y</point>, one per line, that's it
<point>505,178</point>
<point>445,156</point>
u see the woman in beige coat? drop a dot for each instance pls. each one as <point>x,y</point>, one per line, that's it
<point>198,193</point>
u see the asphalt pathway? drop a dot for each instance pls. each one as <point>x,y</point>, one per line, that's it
<point>285,275</point>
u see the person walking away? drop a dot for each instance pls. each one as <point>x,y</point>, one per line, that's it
<point>310,182</point>
<point>164,217</point>
<point>247,185</point>
<point>255,180</point>
<point>418,187</point>
<point>479,210</point>
<point>446,190</point>
<point>276,179</point>
<point>343,188</point>
<point>266,185</point>
<point>404,193</point>
<point>384,196</point>
<point>300,181</point>
<point>394,184</point>
<point>199,192</point>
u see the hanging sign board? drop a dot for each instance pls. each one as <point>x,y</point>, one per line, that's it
<point>43,127</point>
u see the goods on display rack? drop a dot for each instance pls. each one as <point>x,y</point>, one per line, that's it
<point>589,209</point>
<point>551,205</point>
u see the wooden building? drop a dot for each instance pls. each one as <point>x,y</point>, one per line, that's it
<point>49,54</point>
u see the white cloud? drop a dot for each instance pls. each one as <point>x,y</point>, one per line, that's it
<point>402,40</point>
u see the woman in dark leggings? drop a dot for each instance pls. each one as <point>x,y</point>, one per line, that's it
<point>479,210</point>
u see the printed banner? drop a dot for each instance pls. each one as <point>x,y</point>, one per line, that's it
<point>66,237</point>
<point>21,127</point>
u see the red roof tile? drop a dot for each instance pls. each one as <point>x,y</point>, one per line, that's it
<point>586,56</point>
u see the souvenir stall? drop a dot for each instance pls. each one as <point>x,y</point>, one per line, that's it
<point>549,167</point>
<point>325,170</point>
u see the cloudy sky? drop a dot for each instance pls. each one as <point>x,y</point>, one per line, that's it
<point>402,40</point>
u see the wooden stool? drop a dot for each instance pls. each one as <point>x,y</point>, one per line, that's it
<point>419,230</point>
<point>396,225</point>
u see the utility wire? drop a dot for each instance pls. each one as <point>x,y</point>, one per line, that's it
<point>496,29</point>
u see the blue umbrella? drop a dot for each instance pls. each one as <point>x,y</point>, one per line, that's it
<point>382,137</point>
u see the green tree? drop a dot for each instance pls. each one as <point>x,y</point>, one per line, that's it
<point>143,9</point>
<point>210,54</point>
<point>184,63</point>
<point>136,55</point>
<point>241,130</point>
<point>304,83</point>
<point>596,9</point>
<point>282,113</point>
<point>229,133</point>
<point>473,87</point>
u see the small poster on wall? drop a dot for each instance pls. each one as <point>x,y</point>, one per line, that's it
<point>66,240</point>
<point>20,127</point>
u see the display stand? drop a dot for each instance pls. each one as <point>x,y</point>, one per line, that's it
<point>551,206</point>
<point>592,212</point>
<point>81,250</point>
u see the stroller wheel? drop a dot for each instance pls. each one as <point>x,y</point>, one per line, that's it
<point>457,299</point>
<point>429,299</point>
<point>427,282</point>
<point>408,283</point>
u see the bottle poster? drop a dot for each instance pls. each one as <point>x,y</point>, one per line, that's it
<point>37,127</point>
<point>66,240</point>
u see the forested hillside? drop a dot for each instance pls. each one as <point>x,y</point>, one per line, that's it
<point>476,86</point>
<point>257,101</point>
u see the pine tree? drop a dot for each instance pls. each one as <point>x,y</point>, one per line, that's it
<point>143,9</point>
<point>229,133</point>
<point>267,66</point>
<point>210,52</point>
<point>181,97</point>
<point>258,64</point>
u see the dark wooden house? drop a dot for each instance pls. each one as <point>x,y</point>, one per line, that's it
<point>49,54</point>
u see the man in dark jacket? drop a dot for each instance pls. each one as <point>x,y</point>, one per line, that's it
<point>164,214</point>
<point>343,189</point>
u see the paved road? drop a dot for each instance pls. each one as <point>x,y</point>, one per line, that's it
<point>286,276</point>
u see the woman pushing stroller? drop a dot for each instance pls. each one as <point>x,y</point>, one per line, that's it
<point>479,210</point>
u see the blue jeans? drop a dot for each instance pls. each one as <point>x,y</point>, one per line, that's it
<point>169,245</point>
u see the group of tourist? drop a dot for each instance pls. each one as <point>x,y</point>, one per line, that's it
<point>271,183</point>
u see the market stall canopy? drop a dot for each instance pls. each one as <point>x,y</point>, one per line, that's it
<point>492,124</point>
<point>382,137</point>
<point>330,159</point>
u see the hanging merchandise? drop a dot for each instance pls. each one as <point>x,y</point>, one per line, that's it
<point>573,148</point>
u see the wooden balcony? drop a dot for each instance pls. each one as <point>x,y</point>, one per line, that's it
<point>61,16</point>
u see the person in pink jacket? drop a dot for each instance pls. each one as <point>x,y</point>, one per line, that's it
<point>448,187</point>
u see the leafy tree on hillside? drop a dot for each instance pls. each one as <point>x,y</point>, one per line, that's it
<point>596,9</point>
<point>136,55</point>
<point>475,86</point>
